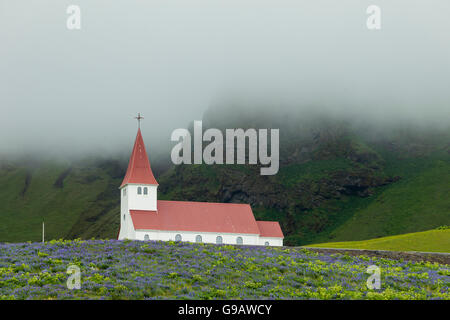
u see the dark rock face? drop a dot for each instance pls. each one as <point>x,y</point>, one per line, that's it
<point>254,192</point>
<point>226,184</point>
<point>328,165</point>
<point>357,184</point>
<point>313,151</point>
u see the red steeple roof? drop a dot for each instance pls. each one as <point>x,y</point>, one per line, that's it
<point>139,170</point>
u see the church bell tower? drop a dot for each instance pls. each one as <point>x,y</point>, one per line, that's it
<point>138,190</point>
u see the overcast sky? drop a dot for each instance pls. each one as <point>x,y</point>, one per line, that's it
<point>69,92</point>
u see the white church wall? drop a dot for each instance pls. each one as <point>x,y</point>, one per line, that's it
<point>273,242</point>
<point>142,201</point>
<point>126,224</point>
<point>126,228</point>
<point>207,237</point>
<point>131,233</point>
<point>123,213</point>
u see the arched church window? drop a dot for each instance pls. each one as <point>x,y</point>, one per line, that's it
<point>146,237</point>
<point>198,238</point>
<point>219,240</point>
<point>266,243</point>
<point>145,190</point>
<point>139,190</point>
<point>124,192</point>
<point>123,217</point>
<point>178,237</point>
<point>239,240</point>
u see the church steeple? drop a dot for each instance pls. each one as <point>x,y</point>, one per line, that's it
<point>139,170</point>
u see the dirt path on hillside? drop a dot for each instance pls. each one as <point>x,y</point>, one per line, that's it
<point>443,258</point>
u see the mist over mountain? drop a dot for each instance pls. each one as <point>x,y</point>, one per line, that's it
<point>69,95</point>
<point>338,179</point>
<point>364,115</point>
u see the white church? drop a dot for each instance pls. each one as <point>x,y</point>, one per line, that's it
<point>144,217</point>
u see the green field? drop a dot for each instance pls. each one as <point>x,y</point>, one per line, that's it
<point>429,241</point>
<point>135,270</point>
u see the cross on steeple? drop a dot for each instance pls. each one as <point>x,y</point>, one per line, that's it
<point>139,120</point>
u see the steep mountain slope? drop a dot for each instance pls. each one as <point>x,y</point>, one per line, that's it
<point>337,181</point>
<point>419,201</point>
<point>327,200</point>
<point>64,196</point>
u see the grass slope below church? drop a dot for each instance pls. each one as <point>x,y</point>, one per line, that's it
<point>112,269</point>
<point>430,241</point>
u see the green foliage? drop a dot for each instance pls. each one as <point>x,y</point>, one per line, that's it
<point>75,207</point>
<point>431,241</point>
<point>313,170</point>
<point>419,201</point>
<point>208,271</point>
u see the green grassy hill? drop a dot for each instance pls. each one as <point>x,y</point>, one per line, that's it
<point>418,201</point>
<point>430,241</point>
<point>340,186</point>
<point>335,183</point>
<point>65,196</point>
<point>316,207</point>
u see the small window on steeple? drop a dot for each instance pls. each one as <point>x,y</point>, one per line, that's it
<point>139,190</point>
<point>145,190</point>
<point>124,192</point>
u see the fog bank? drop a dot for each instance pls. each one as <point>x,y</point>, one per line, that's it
<point>71,93</point>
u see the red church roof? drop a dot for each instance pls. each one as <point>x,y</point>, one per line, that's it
<point>202,217</point>
<point>139,170</point>
<point>270,229</point>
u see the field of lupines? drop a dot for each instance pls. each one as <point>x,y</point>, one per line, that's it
<point>112,269</point>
